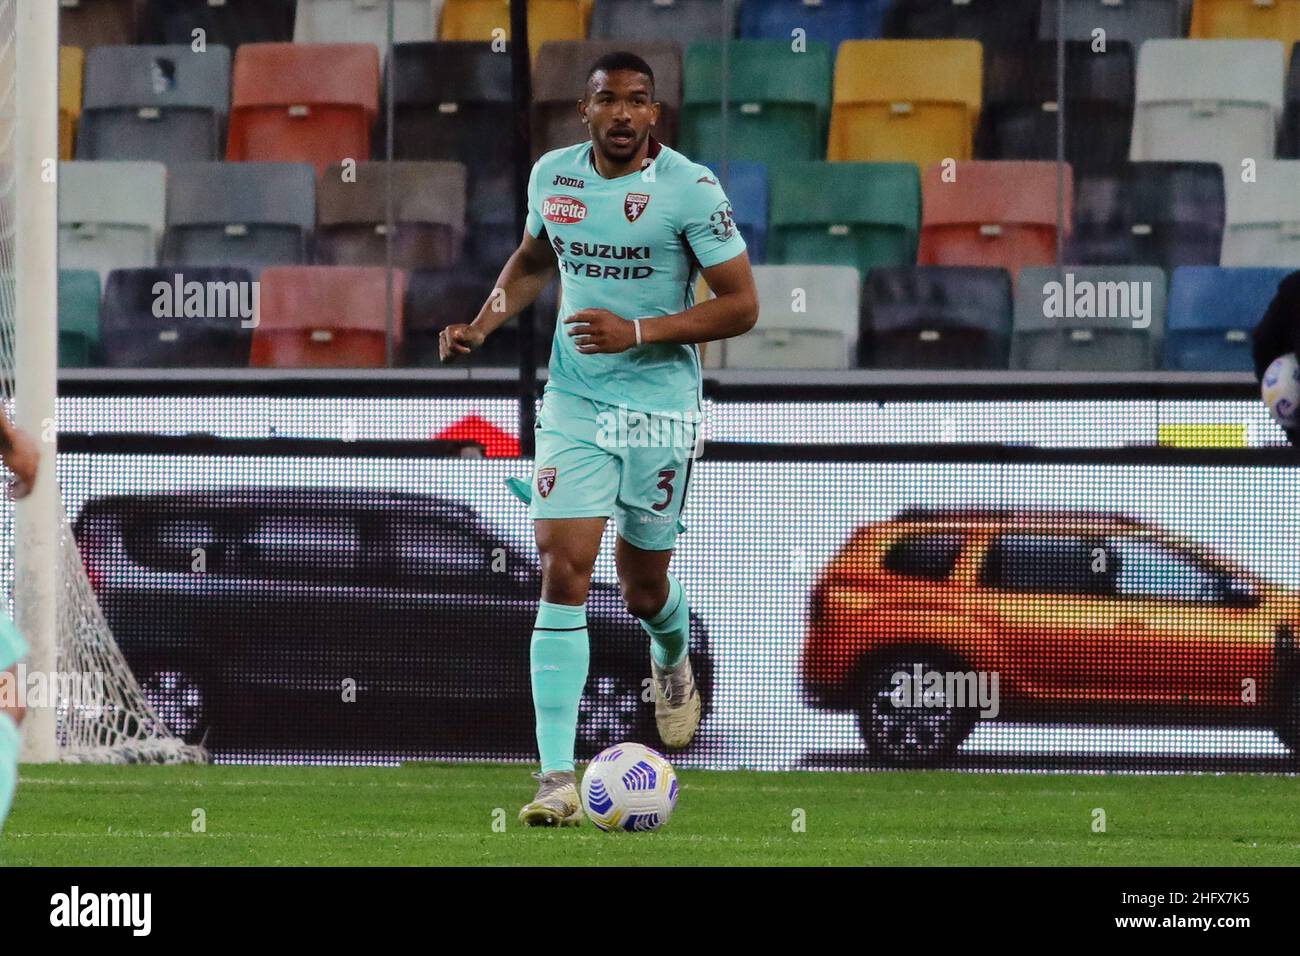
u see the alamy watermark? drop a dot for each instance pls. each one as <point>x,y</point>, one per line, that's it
<point>947,689</point>
<point>179,299</point>
<point>623,427</point>
<point>1128,300</point>
<point>32,689</point>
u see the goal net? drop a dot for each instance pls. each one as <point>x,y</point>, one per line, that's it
<point>83,704</point>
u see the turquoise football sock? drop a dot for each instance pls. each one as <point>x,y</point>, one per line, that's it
<point>670,629</point>
<point>559,655</point>
<point>10,743</point>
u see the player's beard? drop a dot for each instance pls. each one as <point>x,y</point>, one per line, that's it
<point>621,154</point>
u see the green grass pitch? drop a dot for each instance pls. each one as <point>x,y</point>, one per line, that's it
<point>437,814</point>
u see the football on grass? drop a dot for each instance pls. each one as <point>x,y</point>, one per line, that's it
<point>629,787</point>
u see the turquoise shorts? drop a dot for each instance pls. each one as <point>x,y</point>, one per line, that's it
<point>598,460</point>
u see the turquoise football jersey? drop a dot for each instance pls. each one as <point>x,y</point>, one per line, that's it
<point>633,245</point>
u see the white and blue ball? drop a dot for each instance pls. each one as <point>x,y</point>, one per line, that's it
<point>629,787</point>
<point>1280,389</point>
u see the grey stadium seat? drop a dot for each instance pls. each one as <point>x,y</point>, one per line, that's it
<point>560,75</point>
<point>808,318</point>
<point>165,103</point>
<point>679,21</point>
<point>1097,343</point>
<point>361,21</point>
<point>247,215</point>
<point>1263,217</point>
<point>428,213</point>
<point>111,215</point>
<point>1131,20</point>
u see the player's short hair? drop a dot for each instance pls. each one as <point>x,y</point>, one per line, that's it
<point>623,60</point>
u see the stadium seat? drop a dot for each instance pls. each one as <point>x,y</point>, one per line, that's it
<point>914,101</point>
<point>778,101</point>
<point>992,22</point>
<point>746,186</point>
<point>1288,141</point>
<point>1216,101</point>
<point>248,215</point>
<point>1089,319</point>
<point>936,317</point>
<point>312,103</point>
<point>327,317</point>
<point>364,21</point>
<point>1246,20</point>
<point>1155,214</point>
<point>428,215</point>
<point>207,318</point>
<point>1129,21</point>
<point>438,298</point>
<point>110,215</point>
<point>1263,217</point>
<point>676,21</point>
<point>560,77</point>
<point>92,23</point>
<point>165,103</point>
<point>1021,114</point>
<point>810,319</point>
<point>228,22</point>
<point>854,214</point>
<point>78,318</point>
<point>72,65</point>
<point>1212,316</point>
<point>452,102</point>
<point>485,20</point>
<point>992,213</point>
<point>830,21</point>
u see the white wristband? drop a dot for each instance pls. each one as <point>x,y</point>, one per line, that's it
<point>636,325</point>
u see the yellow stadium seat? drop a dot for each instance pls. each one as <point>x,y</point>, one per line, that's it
<point>547,20</point>
<point>72,64</point>
<point>1246,20</point>
<point>906,100</point>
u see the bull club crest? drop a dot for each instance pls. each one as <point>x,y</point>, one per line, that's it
<point>634,204</point>
<point>545,480</point>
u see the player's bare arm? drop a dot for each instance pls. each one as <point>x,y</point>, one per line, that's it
<point>526,273</point>
<point>21,456</point>
<point>732,312</point>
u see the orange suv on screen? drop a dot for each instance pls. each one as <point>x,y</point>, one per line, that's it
<point>1065,615</point>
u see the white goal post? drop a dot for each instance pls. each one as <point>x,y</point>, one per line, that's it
<point>92,709</point>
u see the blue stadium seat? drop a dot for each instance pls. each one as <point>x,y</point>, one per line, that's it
<point>1212,313</point>
<point>936,317</point>
<point>436,298</point>
<point>828,20</point>
<point>134,336</point>
<point>746,186</point>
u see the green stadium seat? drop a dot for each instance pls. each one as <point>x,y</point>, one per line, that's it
<point>778,101</point>
<point>78,317</point>
<point>852,214</point>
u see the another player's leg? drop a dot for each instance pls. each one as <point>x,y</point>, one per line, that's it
<point>12,648</point>
<point>658,601</point>
<point>559,657</point>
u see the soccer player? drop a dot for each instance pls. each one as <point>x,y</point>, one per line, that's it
<point>629,224</point>
<point>21,456</point>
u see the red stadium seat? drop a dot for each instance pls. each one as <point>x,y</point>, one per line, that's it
<point>306,102</point>
<point>326,317</point>
<point>998,214</point>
